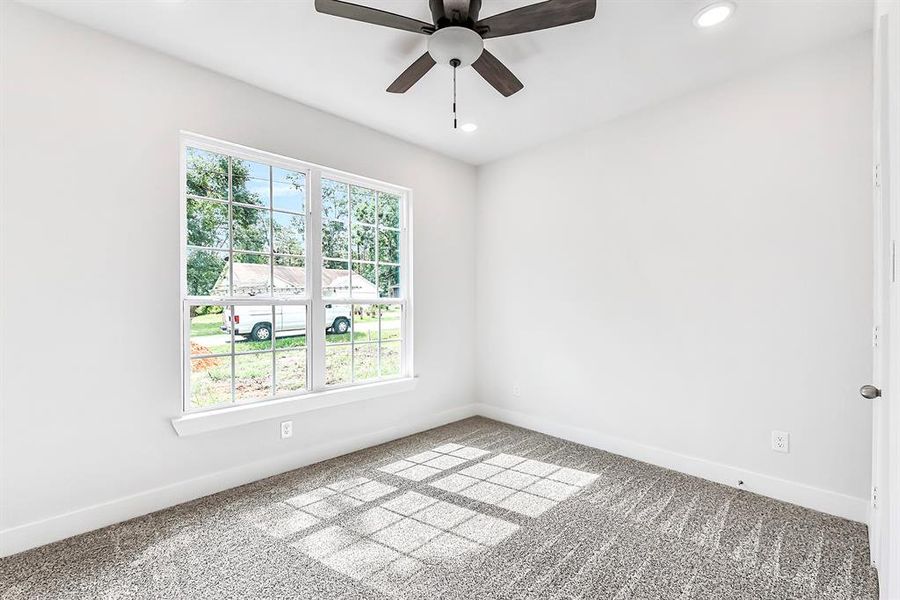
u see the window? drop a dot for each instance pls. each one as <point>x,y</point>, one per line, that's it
<point>294,277</point>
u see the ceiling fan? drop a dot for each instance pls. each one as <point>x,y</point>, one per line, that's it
<point>456,36</point>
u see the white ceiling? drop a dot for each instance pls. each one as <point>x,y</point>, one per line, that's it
<point>632,54</point>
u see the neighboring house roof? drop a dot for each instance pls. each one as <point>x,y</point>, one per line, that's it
<point>253,279</point>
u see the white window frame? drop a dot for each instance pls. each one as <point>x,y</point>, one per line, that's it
<point>318,394</point>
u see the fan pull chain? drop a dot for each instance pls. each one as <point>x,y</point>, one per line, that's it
<point>454,63</point>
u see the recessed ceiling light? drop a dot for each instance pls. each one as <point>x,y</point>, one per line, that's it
<point>469,127</point>
<point>714,14</point>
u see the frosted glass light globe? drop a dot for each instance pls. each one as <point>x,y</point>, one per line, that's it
<point>455,42</point>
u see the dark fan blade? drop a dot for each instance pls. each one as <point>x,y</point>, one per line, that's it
<point>412,74</point>
<point>496,74</point>
<point>338,8</point>
<point>543,15</point>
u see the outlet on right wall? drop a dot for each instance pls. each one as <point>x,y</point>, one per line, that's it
<point>676,284</point>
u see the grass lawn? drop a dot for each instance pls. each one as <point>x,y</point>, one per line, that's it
<point>206,325</point>
<point>253,373</point>
<point>211,382</point>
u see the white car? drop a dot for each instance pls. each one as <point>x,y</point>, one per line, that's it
<point>255,322</point>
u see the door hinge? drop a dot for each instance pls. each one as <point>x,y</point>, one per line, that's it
<point>876,175</point>
<point>875,336</point>
<point>874,497</point>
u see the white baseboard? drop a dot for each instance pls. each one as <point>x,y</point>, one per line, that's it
<point>37,533</point>
<point>833,503</point>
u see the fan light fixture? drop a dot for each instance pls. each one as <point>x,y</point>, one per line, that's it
<point>456,35</point>
<point>714,14</point>
<point>458,43</point>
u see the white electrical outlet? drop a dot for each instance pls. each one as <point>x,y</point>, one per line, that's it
<point>781,441</point>
<point>516,390</point>
<point>287,429</point>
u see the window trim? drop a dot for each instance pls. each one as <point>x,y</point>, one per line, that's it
<point>317,395</point>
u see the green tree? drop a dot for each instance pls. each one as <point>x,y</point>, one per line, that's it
<point>289,233</point>
<point>388,243</point>
<point>207,222</point>
<point>209,232</point>
<point>388,210</point>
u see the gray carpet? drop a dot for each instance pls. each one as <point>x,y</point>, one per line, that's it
<point>476,509</point>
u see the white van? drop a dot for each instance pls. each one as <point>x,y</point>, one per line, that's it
<point>255,322</point>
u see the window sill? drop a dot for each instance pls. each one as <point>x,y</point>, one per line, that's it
<point>233,416</point>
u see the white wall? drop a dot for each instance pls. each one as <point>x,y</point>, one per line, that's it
<point>672,285</point>
<point>676,284</point>
<point>90,297</point>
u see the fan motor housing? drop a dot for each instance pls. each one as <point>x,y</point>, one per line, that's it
<point>455,42</point>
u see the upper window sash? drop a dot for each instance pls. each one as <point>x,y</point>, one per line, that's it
<point>365,254</point>
<point>246,241</point>
<point>314,175</point>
